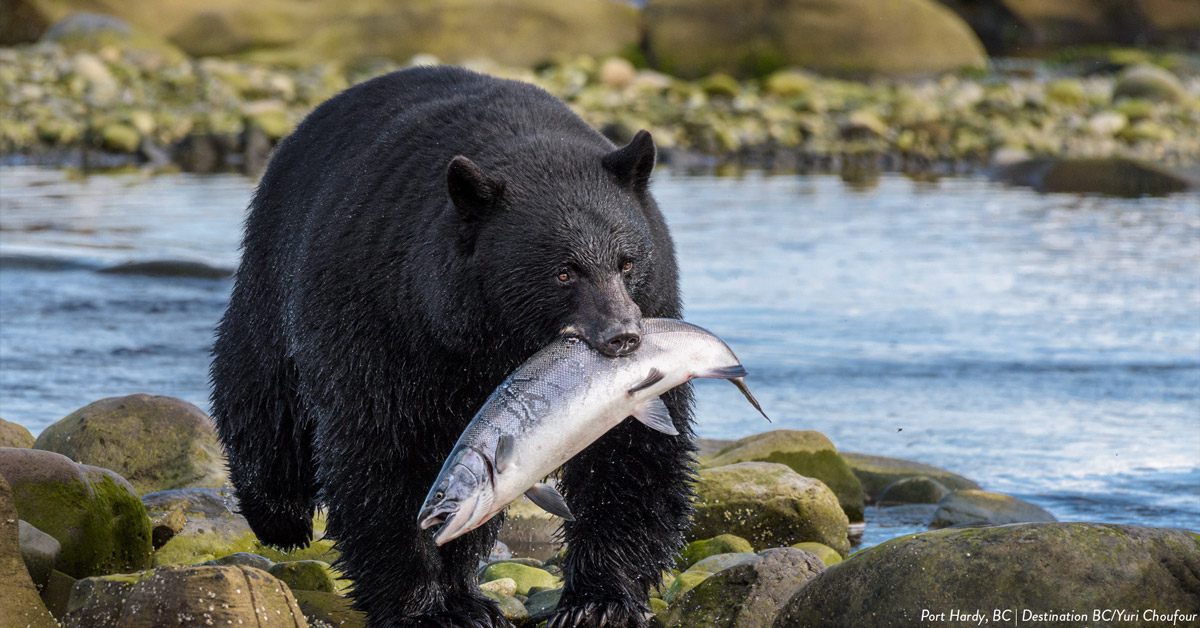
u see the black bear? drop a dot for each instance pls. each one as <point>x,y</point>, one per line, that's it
<point>412,242</point>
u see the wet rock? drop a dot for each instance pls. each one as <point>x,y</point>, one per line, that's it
<point>333,610</point>
<point>827,555</point>
<point>56,593</point>
<point>1110,176</point>
<point>13,435</point>
<point>808,453</point>
<point>512,608</point>
<point>39,551</point>
<point>686,581</point>
<point>769,505</point>
<point>523,576</point>
<point>915,490</point>
<point>232,595</point>
<point>541,605</point>
<point>721,544</point>
<point>22,606</point>
<point>719,562</point>
<point>201,153</point>
<point>164,527</point>
<point>984,508</point>
<point>748,595</point>
<point>503,586</point>
<point>168,268</point>
<point>245,559</point>
<point>1048,567</point>
<point>94,513</point>
<point>1149,82</point>
<point>157,443</point>
<point>877,472</point>
<point>693,38</point>
<point>530,531</point>
<point>305,575</point>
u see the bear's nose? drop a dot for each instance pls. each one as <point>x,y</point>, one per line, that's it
<point>623,343</point>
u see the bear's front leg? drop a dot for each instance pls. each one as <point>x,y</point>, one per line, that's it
<point>630,493</point>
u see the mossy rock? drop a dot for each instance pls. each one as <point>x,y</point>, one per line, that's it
<point>721,562</point>
<point>526,577</point>
<point>685,582</point>
<point>748,595</point>
<point>828,556</point>
<point>878,472</point>
<point>808,453</point>
<point>1039,567</point>
<point>915,490</point>
<point>13,435</point>
<point>94,513</point>
<point>984,508</point>
<point>701,549</point>
<point>769,505</point>
<point>22,605</point>
<point>541,605</point>
<point>305,575</point>
<point>512,608</point>
<point>233,595</point>
<point>694,38</point>
<point>333,610</point>
<point>99,600</point>
<point>157,443</point>
<point>119,138</point>
<point>1149,82</point>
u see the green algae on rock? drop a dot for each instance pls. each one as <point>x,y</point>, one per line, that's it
<point>971,507</point>
<point>157,443</point>
<point>878,472</point>
<point>747,595</point>
<point>768,504</point>
<point>333,610</point>
<point>94,513</point>
<point>721,544</point>
<point>305,575</point>
<point>1042,567</point>
<point>22,605</point>
<point>918,489</point>
<point>828,556</point>
<point>524,576</point>
<point>808,453</point>
<point>13,435</point>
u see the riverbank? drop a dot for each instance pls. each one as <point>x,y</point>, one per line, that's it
<point>112,106</point>
<point>167,524</point>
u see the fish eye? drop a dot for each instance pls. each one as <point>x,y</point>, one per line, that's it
<point>439,495</point>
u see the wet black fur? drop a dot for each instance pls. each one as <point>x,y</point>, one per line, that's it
<point>372,316</point>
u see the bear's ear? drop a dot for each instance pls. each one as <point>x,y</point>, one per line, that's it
<point>633,163</point>
<point>472,191</point>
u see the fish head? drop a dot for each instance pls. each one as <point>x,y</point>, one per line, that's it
<point>461,499</point>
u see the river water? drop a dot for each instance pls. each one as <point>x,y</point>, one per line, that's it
<point>1047,346</point>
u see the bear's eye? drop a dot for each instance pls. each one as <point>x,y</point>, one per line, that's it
<point>564,276</point>
<point>627,266</point>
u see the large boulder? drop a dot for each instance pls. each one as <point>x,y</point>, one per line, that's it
<point>1031,27</point>
<point>94,513</point>
<point>513,32</point>
<point>13,435</point>
<point>694,38</point>
<point>201,595</point>
<point>984,508</point>
<point>808,453</point>
<point>747,595</point>
<point>157,443</point>
<point>22,606</point>
<point>769,505</point>
<point>878,472</point>
<point>1034,567</point>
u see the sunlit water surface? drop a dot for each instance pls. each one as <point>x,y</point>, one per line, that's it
<point>1047,346</point>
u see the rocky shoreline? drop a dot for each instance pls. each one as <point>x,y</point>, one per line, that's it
<point>133,542</point>
<point>100,98</point>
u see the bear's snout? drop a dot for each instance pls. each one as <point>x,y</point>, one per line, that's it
<point>620,340</point>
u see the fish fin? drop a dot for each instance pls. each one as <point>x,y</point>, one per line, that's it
<point>737,381</point>
<point>655,376</point>
<point>654,415</point>
<point>550,500</point>
<point>724,372</point>
<point>504,453</point>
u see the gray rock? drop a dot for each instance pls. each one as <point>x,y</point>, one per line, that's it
<point>541,605</point>
<point>984,508</point>
<point>747,595</point>
<point>878,472</point>
<point>1035,567</point>
<point>915,490</point>
<point>244,558</point>
<point>169,268</point>
<point>39,551</point>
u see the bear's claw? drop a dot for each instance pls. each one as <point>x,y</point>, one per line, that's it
<point>601,615</point>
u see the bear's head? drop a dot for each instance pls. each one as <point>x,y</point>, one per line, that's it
<point>559,239</point>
